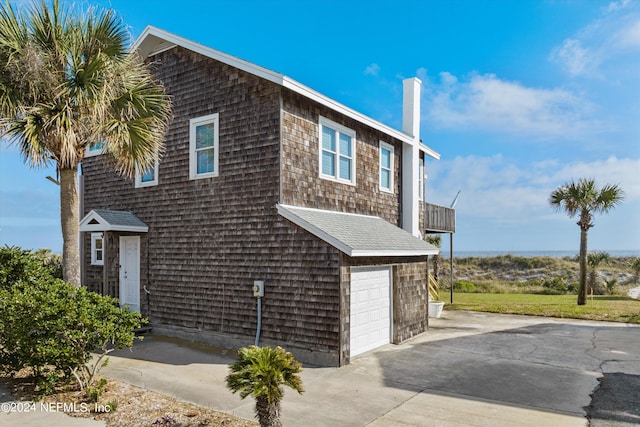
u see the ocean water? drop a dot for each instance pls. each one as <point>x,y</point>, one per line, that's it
<point>529,254</point>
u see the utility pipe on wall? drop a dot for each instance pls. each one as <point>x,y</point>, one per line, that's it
<point>259,321</point>
<point>258,292</point>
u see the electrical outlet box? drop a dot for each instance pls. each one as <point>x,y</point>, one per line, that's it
<point>258,288</point>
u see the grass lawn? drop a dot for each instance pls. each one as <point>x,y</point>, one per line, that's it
<point>602,307</point>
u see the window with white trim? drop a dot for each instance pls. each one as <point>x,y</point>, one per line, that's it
<point>337,152</point>
<point>147,178</point>
<point>386,167</point>
<point>203,147</point>
<point>95,148</point>
<point>97,249</point>
<point>421,179</point>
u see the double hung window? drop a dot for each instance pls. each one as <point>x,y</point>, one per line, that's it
<point>337,152</point>
<point>203,147</point>
<point>386,167</point>
<point>97,249</point>
<point>149,177</point>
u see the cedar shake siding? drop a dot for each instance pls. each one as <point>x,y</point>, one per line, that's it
<point>209,239</point>
<point>301,182</point>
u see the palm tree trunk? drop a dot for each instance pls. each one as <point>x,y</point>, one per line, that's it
<point>70,217</point>
<point>268,413</point>
<point>582,289</point>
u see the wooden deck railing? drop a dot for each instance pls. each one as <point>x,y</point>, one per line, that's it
<point>439,219</point>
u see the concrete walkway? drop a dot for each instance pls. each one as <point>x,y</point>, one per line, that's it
<point>472,369</point>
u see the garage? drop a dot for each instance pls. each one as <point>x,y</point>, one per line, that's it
<point>370,317</point>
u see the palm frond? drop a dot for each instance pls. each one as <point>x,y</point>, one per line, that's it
<point>261,371</point>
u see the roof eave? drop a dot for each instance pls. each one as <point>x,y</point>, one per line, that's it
<point>153,40</point>
<point>100,227</point>
<point>400,253</point>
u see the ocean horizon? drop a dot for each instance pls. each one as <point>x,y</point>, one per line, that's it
<point>530,254</point>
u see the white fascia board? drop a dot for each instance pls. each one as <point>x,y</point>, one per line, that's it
<point>404,253</point>
<point>302,208</point>
<point>343,109</point>
<point>110,227</point>
<point>429,152</point>
<point>152,36</point>
<point>151,31</point>
<point>85,222</point>
<point>314,230</point>
<point>103,225</point>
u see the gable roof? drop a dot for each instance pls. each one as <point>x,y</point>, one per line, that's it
<point>106,220</point>
<point>155,40</point>
<point>357,235</point>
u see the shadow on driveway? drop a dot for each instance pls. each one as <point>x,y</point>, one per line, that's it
<point>470,366</point>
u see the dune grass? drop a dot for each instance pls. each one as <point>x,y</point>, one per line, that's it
<point>600,307</point>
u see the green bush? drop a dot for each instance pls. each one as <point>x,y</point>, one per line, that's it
<point>464,286</point>
<point>21,265</point>
<point>52,328</point>
<point>556,286</point>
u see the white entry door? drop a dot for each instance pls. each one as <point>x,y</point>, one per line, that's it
<point>130,272</point>
<point>370,309</point>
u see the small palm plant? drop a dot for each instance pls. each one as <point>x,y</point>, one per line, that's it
<point>260,372</point>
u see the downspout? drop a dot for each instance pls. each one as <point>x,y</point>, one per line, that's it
<point>427,289</point>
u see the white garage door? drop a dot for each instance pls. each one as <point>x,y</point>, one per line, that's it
<point>370,309</point>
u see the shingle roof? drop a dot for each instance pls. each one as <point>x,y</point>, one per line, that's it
<point>357,235</point>
<point>107,220</point>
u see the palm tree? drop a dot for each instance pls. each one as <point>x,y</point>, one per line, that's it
<point>437,242</point>
<point>260,372</point>
<point>584,198</point>
<point>594,259</point>
<point>67,82</point>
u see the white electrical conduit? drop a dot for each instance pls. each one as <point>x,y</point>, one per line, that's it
<point>259,321</point>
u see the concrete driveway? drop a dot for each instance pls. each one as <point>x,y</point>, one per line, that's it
<point>472,369</point>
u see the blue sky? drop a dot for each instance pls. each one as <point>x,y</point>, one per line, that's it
<point>519,97</point>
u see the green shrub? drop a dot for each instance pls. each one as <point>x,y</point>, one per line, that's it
<point>555,286</point>
<point>112,405</point>
<point>611,286</point>
<point>94,392</point>
<point>51,328</point>
<point>21,265</point>
<point>464,286</point>
<point>52,261</point>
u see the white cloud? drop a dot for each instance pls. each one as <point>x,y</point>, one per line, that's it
<point>617,5</point>
<point>576,59</point>
<point>372,70</point>
<point>485,102</point>
<point>629,37</point>
<point>615,34</point>
<point>497,190</point>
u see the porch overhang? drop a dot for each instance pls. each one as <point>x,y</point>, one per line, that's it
<point>107,220</point>
<point>357,235</point>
